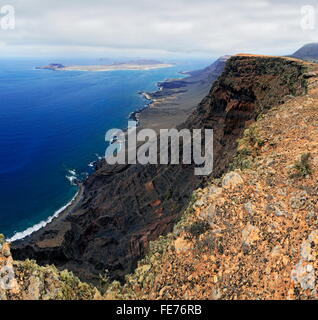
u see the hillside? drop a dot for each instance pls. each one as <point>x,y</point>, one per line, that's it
<point>307,52</point>
<point>251,232</point>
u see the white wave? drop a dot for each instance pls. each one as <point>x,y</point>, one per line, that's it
<point>72,179</point>
<point>91,164</point>
<point>72,172</point>
<point>40,225</point>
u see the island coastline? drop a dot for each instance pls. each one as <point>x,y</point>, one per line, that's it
<point>58,214</point>
<point>141,117</point>
<point>103,68</point>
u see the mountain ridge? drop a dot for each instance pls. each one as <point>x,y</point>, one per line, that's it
<point>307,52</point>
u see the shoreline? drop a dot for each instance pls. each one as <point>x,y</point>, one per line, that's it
<point>58,214</point>
<point>135,115</point>
<point>94,219</point>
<point>151,102</point>
<point>68,207</point>
<point>149,97</point>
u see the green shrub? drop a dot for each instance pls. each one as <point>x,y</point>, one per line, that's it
<point>196,229</point>
<point>302,167</point>
<point>205,245</point>
<point>2,239</point>
<point>251,137</point>
<point>242,160</point>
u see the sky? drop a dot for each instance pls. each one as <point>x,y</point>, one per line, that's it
<point>155,28</point>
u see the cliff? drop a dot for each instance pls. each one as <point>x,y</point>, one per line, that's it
<point>253,232</point>
<point>125,208</point>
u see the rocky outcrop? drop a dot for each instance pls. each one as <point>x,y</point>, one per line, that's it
<point>127,206</point>
<point>25,280</point>
<point>52,66</point>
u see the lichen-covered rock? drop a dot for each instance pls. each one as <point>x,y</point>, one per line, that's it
<point>231,180</point>
<point>25,280</point>
<point>250,234</point>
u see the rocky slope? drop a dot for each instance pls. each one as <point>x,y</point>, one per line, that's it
<point>25,280</point>
<point>126,207</point>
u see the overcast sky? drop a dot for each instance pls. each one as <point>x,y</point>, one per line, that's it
<point>155,28</point>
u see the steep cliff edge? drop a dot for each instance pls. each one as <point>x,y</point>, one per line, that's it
<point>252,233</point>
<point>126,207</point>
<point>249,86</point>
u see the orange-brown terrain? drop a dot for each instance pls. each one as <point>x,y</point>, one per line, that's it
<point>251,231</point>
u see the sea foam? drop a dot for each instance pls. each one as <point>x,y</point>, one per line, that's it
<point>40,225</point>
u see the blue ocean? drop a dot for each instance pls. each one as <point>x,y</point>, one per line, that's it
<point>52,126</point>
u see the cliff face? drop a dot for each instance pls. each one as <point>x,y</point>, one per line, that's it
<point>125,207</point>
<point>248,87</point>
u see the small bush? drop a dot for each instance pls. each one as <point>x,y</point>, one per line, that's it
<point>2,239</point>
<point>196,229</point>
<point>302,167</point>
<point>251,137</point>
<point>104,281</point>
<point>206,245</point>
<point>73,289</point>
<point>242,160</point>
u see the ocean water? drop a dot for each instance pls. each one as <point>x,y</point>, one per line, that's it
<point>53,124</point>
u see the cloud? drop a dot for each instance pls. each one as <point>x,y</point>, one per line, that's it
<point>152,27</point>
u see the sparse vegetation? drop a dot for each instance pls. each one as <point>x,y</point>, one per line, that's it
<point>205,245</point>
<point>2,239</point>
<point>248,148</point>
<point>104,281</point>
<point>242,160</point>
<point>252,138</point>
<point>73,288</point>
<point>196,229</point>
<point>302,167</point>
<point>49,277</point>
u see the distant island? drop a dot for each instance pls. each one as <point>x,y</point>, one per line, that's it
<point>128,65</point>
